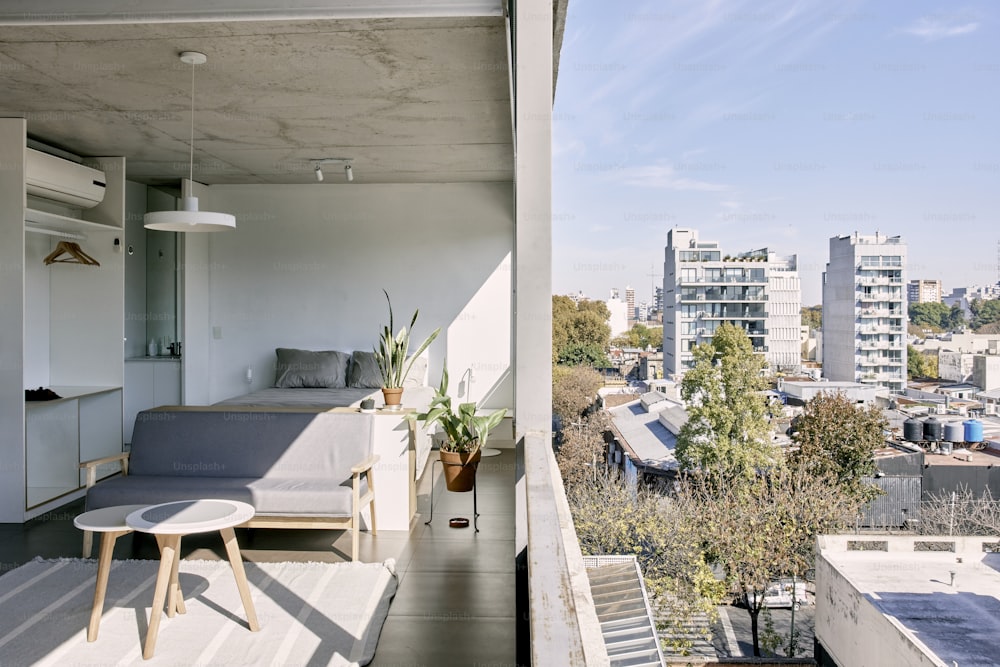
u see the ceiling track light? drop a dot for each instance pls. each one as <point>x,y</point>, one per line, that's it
<point>189,218</point>
<point>346,161</point>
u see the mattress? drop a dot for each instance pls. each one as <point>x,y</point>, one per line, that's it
<point>327,397</point>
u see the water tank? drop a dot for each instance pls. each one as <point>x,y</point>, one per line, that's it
<point>954,432</point>
<point>913,430</point>
<point>932,429</point>
<point>973,430</point>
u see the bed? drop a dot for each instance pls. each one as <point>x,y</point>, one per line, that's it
<point>337,382</point>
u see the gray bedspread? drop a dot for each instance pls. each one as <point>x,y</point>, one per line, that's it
<point>339,397</point>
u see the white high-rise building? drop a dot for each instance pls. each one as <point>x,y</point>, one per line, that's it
<point>703,288</point>
<point>864,311</point>
<point>619,314</point>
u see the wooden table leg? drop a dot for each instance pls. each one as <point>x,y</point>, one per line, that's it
<point>236,561</point>
<point>100,589</point>
<point>175,596</point>
<point>171,544</point>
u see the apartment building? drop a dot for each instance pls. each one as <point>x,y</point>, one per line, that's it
<point>703,287</point>
<point>864,311</point>
<point>924,291</point>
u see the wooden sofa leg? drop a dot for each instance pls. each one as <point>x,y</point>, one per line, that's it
<point>371,504</point>
<point>88,543</point>
<point>354,537</point>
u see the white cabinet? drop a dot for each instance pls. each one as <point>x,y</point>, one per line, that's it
<point>149,382</point>
<point>59,434</point>
<point>63,328</point>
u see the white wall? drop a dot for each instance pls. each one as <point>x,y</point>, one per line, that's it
<point>307,264</point>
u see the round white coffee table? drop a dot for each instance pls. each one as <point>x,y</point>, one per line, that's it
<point>110,523</point>
<point>171,521</point>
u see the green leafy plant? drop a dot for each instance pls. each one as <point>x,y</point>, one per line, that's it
<point>465,431</point>
<point>393,348</point>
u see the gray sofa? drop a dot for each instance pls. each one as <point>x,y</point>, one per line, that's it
<point>296,470</point>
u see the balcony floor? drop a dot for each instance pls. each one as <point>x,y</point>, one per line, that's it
<point>455,603</point>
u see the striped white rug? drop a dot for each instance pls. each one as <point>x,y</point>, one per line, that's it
<point>309,613</point>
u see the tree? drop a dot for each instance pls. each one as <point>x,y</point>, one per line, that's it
<point>919,364</point>
<point>640,336</point>
<point>611,518</point>
<point>727,414</point>
<point>582,449</point>
<point>956,317</point>
<point>580,331</point>
<point>837,438</point>
<point>930,315</point>
<point>574,389</point>
<point>763,527</point>
<point>960,513</point>
<point>812,316</point>
<point>984,312</point>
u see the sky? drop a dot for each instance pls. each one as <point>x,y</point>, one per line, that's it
<point>775,124</point>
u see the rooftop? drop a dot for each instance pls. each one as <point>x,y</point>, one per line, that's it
<point>914,590</point>
<point>643,433</point>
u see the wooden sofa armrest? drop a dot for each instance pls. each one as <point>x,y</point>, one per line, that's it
<point>91,466</point>
<point>365,465</point>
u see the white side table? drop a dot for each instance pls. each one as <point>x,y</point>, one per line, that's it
<point>110,523</point>
<point>174,520</point>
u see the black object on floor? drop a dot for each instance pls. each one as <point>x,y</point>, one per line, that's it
<point>458,522</point>
<point>40,394</point>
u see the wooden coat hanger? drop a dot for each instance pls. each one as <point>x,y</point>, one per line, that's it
<point>75,252</point>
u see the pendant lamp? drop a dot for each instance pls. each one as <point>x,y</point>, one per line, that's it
<point>189,218</point>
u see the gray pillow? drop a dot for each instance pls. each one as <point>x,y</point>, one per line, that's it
<point>304,368</point>
<point>363,371</point>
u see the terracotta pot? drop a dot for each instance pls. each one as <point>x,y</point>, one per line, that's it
<point>460,469</point>
<point>392,395</point>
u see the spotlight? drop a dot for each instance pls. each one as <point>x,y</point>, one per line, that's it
<point>319,173</point>
<point>349,173</point>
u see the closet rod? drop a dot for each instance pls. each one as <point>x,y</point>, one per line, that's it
<point>56,232</point>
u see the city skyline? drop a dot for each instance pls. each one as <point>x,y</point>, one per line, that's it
<point>775,124</point>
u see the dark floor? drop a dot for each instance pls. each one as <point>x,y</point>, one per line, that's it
<point>455,602</point>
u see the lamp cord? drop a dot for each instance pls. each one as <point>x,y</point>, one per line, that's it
<point>191,144</point>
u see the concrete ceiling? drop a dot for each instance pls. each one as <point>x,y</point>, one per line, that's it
<point>409,99</point>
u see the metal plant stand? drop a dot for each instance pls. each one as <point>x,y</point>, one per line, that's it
<point>475,501</point>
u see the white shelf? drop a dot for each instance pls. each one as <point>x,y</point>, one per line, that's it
<point>45,222</point>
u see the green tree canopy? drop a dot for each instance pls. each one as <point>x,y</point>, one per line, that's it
<point>580,332</point>
<point>984,312</point>
<point>612,518</point>
<point>640,336</point>
<point>919,364</point>
<point>931,315</point>
<point>727,413</point>
<point>763,527</point>
<point>838,438</point>
<point>812,316</point>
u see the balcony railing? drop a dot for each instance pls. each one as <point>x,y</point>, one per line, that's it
<point>563,619</point>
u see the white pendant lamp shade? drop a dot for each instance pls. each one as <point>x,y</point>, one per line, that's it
<point>189,218</point>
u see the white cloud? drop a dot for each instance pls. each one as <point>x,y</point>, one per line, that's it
<point>931,28</point>
<point>664,177</point>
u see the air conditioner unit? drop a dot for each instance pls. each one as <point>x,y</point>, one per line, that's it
<point>56,179</point>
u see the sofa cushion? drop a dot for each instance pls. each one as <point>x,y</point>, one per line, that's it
<point>279,497</point>
<point>152,490</point>
<point>305,368</point>
<point>249,443</point>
